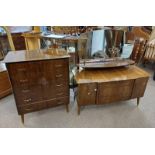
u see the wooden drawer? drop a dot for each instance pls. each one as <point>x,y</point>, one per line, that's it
<point>60,63</point>
<point>58,101</point>
<point>31,107</point>
<point>29,95</point>
<point>24,73</point>
<point>114,91</point>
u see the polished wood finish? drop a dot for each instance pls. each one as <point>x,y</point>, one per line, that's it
<point>106,63</point>
<point>110,85</point>
<point>39,79</point>
<point>5,85</point>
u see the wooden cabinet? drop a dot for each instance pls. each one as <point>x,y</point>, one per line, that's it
<point>39,84</point>
<point>110,85</point>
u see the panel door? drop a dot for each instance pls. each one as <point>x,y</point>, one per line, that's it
<point>114,91</point>
<point>87,93</point>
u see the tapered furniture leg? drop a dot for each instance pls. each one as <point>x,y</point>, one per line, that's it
<point>22,118</point>
<point>138,99</point>
<point>67,108</point>
<point>78,110</point>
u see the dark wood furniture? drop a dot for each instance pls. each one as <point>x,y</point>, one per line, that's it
<point>110,85</point>
<point>5,85</point>
<point>18,41</point>
<point>40,79</point>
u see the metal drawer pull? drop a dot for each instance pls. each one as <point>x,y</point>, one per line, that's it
<point>60,75</point>
<point>89,93</point>
<point>21,69</point>
<point>22,81</point>
<point>58,85</point>
<point>28,100</point>
<point>60,103</point>
<point>58,65</point>
<point>28,109</point>
<point>25,90</point>
<point>95,89</point>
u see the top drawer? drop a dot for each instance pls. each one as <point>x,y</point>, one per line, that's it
<point>24,72</point>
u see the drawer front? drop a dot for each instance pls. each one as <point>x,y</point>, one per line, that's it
<point>24,73</point>
<point>87,94</point>
<point>42,105</point>
<point>60,63</point>
<point>28,95</point>
<point>61,69</point>
<point>31,107</point>
<point>58,101</point>
<point>114,91</point>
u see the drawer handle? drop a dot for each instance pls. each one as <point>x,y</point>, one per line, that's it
<point>95,89</point>
<point>58,65</point>
<point>25,90</point>
<point>21,69</point>
<point>60,102</point>
<point>23,81</point>
<point>60,75</point>
<point>28,109</point>
<point>59,85</point>
<point>89,93</point>
<point>28,100</point>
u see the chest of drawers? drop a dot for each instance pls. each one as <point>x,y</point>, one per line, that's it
<point>39,83</point>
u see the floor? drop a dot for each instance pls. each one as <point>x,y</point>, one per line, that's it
<point>124,114</point>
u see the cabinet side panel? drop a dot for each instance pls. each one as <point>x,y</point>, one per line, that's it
<point>139,87</point>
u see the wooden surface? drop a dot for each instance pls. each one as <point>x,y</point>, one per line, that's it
<point>40,84</point>
<point>23,56</point>
<point>107,75</point>
<point>5,86</point>
<point>107,64</point>
<point>110,85</point>
<point>32,41</point>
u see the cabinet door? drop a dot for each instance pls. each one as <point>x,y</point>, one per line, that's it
<point>87,94</point>
<point>114,91</point>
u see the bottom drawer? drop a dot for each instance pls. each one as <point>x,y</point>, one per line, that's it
<point>58,101</point>
<point>31,107</point>
<point>42,105</point>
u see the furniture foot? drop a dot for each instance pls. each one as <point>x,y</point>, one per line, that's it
<point>67,108</point>
<point>22,118</point>
<point>138,99</point>
<point>78,110</point>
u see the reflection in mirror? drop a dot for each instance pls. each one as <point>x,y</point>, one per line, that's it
<point>102,44</point>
